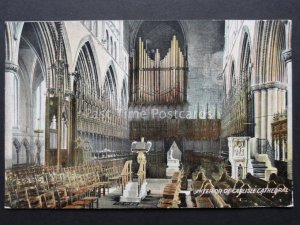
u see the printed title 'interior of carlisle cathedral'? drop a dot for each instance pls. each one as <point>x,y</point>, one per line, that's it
<point>147,114</point>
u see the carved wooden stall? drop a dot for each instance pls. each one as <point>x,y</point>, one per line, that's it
<point>279,142</point>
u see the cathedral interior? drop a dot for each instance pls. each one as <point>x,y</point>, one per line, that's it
<point>148,114</point>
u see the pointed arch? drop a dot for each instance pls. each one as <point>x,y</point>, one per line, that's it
<point>271,41</point>
<point>26,144</point>
<point>17,144</point>
<point>245,57</point>
<point>109,90</point>
<point>86,66</point>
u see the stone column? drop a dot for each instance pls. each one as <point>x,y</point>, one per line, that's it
<point>283,100</point>
<point>11,70</point>
<point>287,55</point>
<point>283,150</point>
<point>257,113</point>
<point>263,115</point>
<point>279,101</point>
<point>272,109</point>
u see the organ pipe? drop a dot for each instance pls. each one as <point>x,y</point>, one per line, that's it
<point>159,81</point>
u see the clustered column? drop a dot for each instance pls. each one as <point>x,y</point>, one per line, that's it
<point>11,70</point>
<point>287,55</point>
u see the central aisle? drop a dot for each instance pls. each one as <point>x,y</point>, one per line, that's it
<point>155,186</point>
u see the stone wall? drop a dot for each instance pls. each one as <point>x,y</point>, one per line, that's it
<point>205,42</point>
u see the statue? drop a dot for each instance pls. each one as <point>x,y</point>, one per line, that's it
<point>173,160</point>
<point>170,154</point>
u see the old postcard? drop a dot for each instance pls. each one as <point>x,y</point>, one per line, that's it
<point>148,114</point>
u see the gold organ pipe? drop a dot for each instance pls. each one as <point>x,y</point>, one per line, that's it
<point>157,56</point>
<point>157,74</point>
<point>152,80</point>
<point>145,76</point>
<point>143,73</point>
<point>139,71</point>
<point>180,76</point>
<point>177,72</point>
<point>173,67</point>
<point>159,80</point>
<point>148,78</point>
<point>169,76</point>
<point>162,79</point>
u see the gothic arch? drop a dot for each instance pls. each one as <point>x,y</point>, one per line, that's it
<point>45,45</point>
<point>86,66</point>
<point>271,41</point>
<point>86,39</point>
<point>180,24</point>
<point>17,144</point>
<point>245,59</point>
<point>24,157</point>
<point>109,90</point>
<point>26,144</point>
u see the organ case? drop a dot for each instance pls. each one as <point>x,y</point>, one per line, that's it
<point>158,81</point>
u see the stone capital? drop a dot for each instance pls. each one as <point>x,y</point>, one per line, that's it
<point>287,55</point>
<point>11,67</point>
<point>269,85</point>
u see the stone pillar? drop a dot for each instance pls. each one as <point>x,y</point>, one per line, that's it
<point>279,101</point>
<point>287,55</point>
<point>283,146</point>
<point>263,115</point>
<point>276,148</point>
<point>257,113</point>
<point>11,70</point>
<point>272,109</point>
<point>283,100</point>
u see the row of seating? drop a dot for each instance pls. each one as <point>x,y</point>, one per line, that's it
<point>171,192</point>
<point>253,199</point>
<point>71,187</point>
<point>278,199</point>
<point>239,199</point>
<point>201,199</point>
